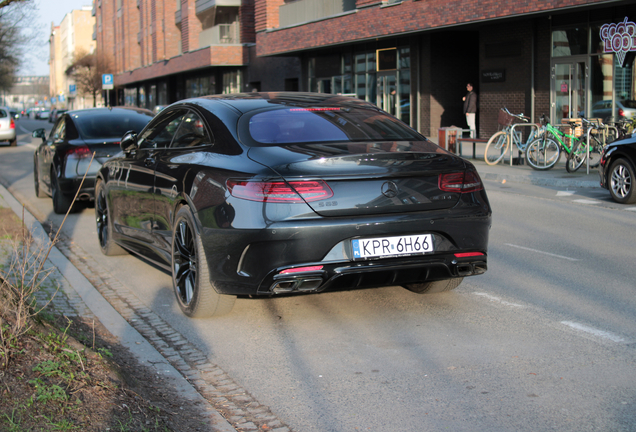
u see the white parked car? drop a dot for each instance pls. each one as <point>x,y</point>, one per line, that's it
<point>7,127</point>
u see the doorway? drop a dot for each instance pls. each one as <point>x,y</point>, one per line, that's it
<point>387,97</point>
<point>569,89</point>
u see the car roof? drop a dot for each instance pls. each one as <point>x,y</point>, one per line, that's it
<point>245,102</point>
<point>87,112</point>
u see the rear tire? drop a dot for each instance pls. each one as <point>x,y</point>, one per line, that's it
<point>621,180</point>
<point>61,203</point>
<point>496,148</point>
<point>434,286</point>
<point>14,142</point>
<point>195,293</point>
<point>543,154</point>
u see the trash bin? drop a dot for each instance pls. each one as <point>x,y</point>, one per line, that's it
<point>447,138</point>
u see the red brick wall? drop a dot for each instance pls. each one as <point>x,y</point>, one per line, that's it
<point>408,16</point>
<point>266,14</point>
<point>246,19</point>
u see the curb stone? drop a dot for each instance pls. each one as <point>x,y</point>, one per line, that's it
<point>157,343</point>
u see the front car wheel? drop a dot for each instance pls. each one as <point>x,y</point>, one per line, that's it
<point>102,219</point>
<point>195,293</point>
<point>621,181</point>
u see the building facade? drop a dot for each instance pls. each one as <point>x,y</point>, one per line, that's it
<point>161,51</point>
<point>414,58</point>
<point>70,39</point>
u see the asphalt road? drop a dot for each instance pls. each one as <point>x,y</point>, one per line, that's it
<point>545,340</point>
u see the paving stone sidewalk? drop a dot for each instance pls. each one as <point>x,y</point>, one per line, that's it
<point>234,403</point>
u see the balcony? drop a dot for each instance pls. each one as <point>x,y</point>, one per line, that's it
<point>221,34</point>
<point>177,17</point>
<point>302,11</point>
<point>204,5</point>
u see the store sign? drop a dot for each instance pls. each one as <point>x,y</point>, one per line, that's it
<point>493,75</point>
<point>619,38</point>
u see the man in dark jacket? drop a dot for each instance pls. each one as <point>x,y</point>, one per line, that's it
<point>470,109</point>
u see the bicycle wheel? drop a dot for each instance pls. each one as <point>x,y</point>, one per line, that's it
<point>543,153</point>
<point>595,152</point>
<point>496,148</point>
<point>577,157</point>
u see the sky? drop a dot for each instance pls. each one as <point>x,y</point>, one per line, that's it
<point>49,11</point>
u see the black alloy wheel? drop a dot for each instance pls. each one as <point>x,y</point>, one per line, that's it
<point>621,179</point>
<point>195,293</point>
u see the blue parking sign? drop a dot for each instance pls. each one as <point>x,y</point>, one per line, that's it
<point>107,82</point>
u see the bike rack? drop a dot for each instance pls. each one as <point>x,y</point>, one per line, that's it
<point>512,134</point>
<point>587,147</point>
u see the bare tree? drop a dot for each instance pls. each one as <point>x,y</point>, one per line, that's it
<point>87,70</point>
<point>14,37</point>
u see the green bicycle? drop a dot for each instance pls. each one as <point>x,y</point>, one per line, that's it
<point>544,152</point>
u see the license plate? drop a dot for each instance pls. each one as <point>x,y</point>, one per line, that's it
<point>392,246</point>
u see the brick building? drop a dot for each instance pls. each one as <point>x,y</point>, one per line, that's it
<point>68,40</point>
<point>413,58</point>
<point>161,51</point>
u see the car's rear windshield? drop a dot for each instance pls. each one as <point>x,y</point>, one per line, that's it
<point>304,125</point>
<point>111,124</point>
<point>629,103</point>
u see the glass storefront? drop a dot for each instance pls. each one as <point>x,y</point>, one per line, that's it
<point>586,79</point>
<point>380,76</point>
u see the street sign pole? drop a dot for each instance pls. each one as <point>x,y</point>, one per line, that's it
<point>107,84</point>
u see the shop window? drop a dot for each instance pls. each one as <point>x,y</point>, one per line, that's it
<point>569,42</point>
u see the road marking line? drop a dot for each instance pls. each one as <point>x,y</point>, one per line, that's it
<point>24,130</point>
<point>593,331</point>
<point>498,300</point>
<point>631,209</point>
<point>585,201</point>
<point>565,193</point>
<point>542,252</point>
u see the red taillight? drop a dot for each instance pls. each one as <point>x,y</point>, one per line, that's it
<point>301,269</point>
<point>462,182</point>
<point>78,151</point>
<point>314,109</point>
<point>12,124</point>
<point>468,254</point>
<point>621,113</point>
<point>280,192</point>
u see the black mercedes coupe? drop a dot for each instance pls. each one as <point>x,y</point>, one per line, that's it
<point>262,194</point>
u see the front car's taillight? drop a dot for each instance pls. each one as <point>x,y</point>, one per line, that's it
<point>78,161</point>
<point>12,124</point>
<point>280,191</point>
<point>461,182</point>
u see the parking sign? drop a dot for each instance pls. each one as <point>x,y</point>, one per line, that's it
<point>107,82</point>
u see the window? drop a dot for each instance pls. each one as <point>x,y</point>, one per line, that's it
<point>160,133</point>
<point>324,124</point>
<point>191,133</point>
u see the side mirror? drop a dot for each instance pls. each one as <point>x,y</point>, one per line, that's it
<point>39,133</point>
<point>129,142</point>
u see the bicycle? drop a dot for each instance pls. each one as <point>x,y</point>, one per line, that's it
<point>544,152</point>
<point>498,143</point>
<point>589,149</point>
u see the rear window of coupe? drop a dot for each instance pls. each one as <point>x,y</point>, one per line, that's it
<point>337,124</point>
<point>110,125</point>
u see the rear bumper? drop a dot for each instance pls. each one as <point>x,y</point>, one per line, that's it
<point>250,262</point>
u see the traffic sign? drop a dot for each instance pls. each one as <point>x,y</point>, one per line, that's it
<point>107,82</point>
